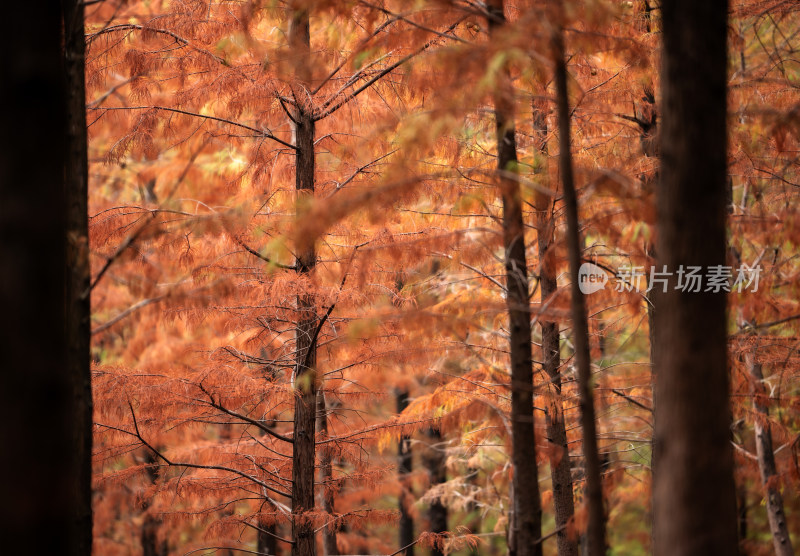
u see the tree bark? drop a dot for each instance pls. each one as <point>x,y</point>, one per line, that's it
<point>305,379</point>
<point>434,459</point>
<point>560,474</point>
<point>266,538</point>
<point>39,474</point>
<point>527,518</point>
<point>326,474</point>
<point>77,272</point>
<point>269,530</point>
<point>694,494</point>
<point>151,523</point>
<point>596,529</point>
<point>405,461</point>
<point>781,539</point>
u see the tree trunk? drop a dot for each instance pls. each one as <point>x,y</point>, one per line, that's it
<point>39,474</point>
<point>404,465</point>
<point>560,474</point>
<point>694,494</point>
<point>596,530</point>
<point>434,459</point>
<point>266,539</point>
<point>526,502</point>
<point>781,539</point>
<point>151,523</point>
<point>326,474</point>
<point>77,272</point>
<point>741,512</point>
<point>305,379</point>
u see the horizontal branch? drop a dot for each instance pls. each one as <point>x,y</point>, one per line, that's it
<point>218,406</point>
<point>137,434</point>
<point>267,134</point>
<point>267,260</point>
<point>136,27</point>
<point>132,309</point>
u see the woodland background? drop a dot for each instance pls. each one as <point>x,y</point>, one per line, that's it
<point>321,271</point>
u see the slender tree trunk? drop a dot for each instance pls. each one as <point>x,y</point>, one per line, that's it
<point>405,462</point>
<point>781,539</point>
<point>741,512</point>
<point>647,119</point>
<point>560,474</point>
<point>77,272</point>
<point>37,470</point>
<point>694,494</point>
<point>434,459</point>
<point>304,446</point>
<point>596,531</point>
<point>267,537</point>
<point>151,523</point>
<point>267,543</point>
<point>527,510</point>
<point>326,474</point>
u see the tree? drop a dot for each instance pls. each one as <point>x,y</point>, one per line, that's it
<point>405,461</point>
<point>39,473</point>
<point>224,295</point>
<point>776,515</point>
<point>695,507</point>
<point>526,526</point>
<point>305,373</point>
<point>560,473</point>
<point>77,271</point>
<point>596,530</point>
<point>217,396</point>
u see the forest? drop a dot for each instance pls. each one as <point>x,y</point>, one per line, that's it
<point>395,277</point>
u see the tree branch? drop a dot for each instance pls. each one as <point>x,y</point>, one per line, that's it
<point>162,457</point>
<point>218,406</point>
<point>331,109</point>
<point>255,253</point>
<point>135,27</point>
<point>267,134</point>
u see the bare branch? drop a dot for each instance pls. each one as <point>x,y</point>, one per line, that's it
<point>218,406</point>
<point>135,27</point>
<point>267,134</point>
<point>350,178</point>
<point>331,109</point>
<point>162,457</point>
<point>132,309</point>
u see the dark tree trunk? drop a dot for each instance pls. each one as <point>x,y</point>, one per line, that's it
<point>305,379</point>
<point>77,272</point>
<point>405,462</point>
<point>646,117</point>
<point>526,528</point>
<point>151,523</point>
<point>741,512</point>
<point>781,539</point>
<point>150,544</point>
<point>694,494</point>
<point>434,459</point>
<point>560,474</point>
<point>266,538</point>
<point>326,475</point>
<point>39,474</point>
<point>596,530</point>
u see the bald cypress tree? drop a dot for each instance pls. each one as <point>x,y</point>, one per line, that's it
<point>694,500</point>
